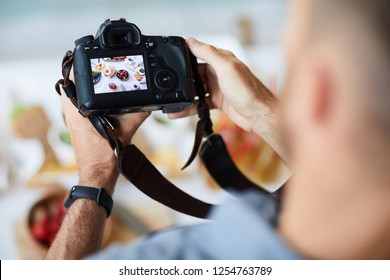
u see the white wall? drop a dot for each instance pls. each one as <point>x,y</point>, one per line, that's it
<point>46,28</point>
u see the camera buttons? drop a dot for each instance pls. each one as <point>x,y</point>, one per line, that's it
<point>150,44</point>
<point>180,94</point>
<point>165,79</point>
<point>153,65</point>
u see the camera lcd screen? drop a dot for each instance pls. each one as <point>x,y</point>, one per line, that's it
<point>118,74</point>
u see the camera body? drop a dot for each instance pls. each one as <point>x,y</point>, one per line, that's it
<point>122,71</point>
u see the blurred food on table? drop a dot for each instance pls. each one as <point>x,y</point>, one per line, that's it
<point>45,219</point>
<point>31,122</point>
<point>37,230</point>
<point>249,152</point>
<point>5,170</point>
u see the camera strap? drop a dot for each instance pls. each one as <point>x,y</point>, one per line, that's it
<point>136,168</point>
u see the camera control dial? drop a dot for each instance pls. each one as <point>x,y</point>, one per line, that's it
<point>165,79</point>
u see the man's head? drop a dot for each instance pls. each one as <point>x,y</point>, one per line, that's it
<point>337,123</point>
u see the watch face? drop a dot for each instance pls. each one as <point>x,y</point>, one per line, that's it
<point>71,192</point>
<point>68,199</point>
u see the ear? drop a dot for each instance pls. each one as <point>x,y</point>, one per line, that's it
<point>321,93</point>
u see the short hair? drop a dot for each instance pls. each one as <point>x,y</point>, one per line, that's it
<point>375,14</point>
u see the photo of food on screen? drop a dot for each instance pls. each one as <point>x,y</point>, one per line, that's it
<point>118,74</point>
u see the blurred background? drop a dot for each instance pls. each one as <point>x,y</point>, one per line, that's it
<point>37,164</point>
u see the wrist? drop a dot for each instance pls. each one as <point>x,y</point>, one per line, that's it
<point>99,196</point>
<point>99,178</point>
<point>262,106</point>
<point>266,116</point>
<point>267,125</point>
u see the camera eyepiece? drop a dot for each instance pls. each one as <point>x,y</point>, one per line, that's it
<point>116,34</point>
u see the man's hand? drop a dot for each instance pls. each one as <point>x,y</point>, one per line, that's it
<point>238,93</point>
<point>96,161</point>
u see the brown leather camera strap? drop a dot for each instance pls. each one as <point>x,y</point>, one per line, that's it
<point>143,174</point>
<point>136,168</point>
<point>66,83</point>
<point>134,165</point>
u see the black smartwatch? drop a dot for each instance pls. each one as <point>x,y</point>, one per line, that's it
<point>99,195</point>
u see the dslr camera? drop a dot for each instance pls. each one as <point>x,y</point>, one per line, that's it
<point>122,71</point>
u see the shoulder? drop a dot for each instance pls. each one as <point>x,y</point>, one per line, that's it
<point>244,228</point>
<point>241,228</point>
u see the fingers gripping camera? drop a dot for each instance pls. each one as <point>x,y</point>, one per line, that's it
<point>122,71</point>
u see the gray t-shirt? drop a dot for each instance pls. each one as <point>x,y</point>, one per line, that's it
<point>242,228</point>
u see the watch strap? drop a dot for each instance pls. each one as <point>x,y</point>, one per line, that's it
<point>98,195</point>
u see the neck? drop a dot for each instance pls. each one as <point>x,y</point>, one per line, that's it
<point>338,218</point>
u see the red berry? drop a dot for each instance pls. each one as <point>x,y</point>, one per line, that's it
<point>38,231</point>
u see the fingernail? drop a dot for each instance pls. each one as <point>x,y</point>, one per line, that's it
<point>192,42</point>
